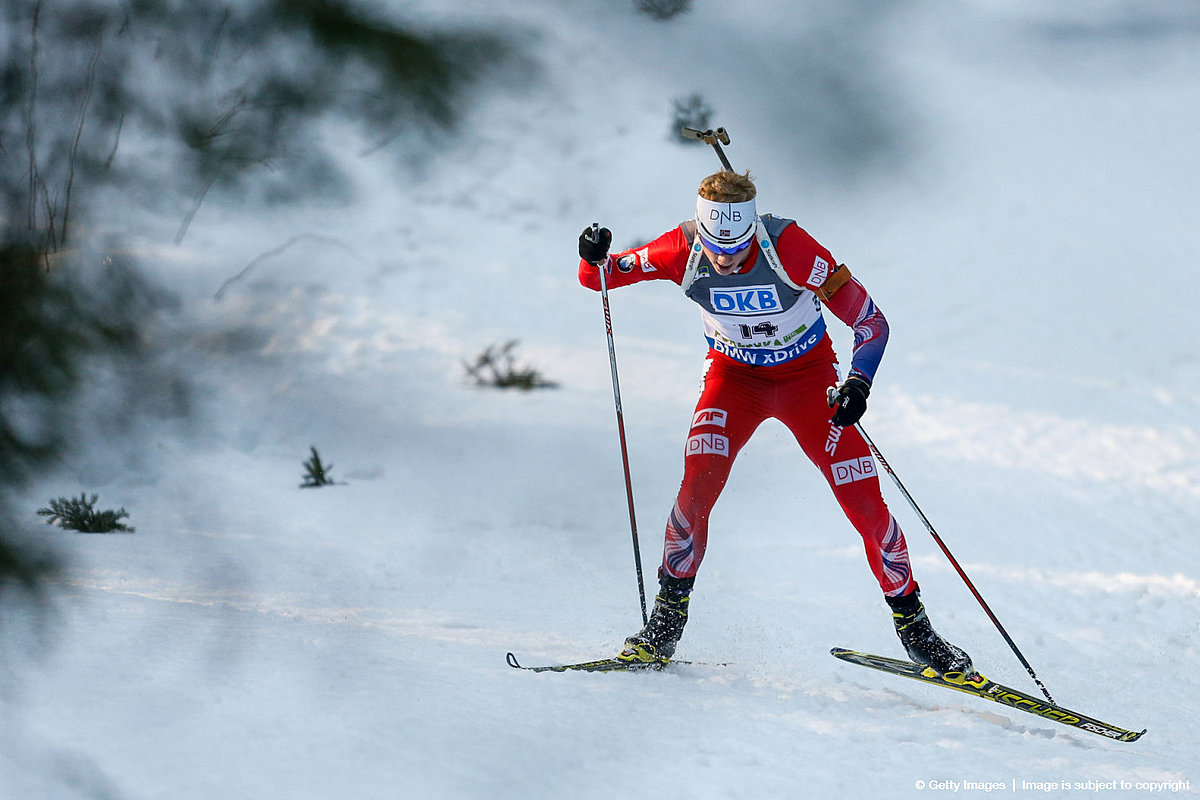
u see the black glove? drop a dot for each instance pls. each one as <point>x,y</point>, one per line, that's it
<point>849,401</point>
<point>594,251</point>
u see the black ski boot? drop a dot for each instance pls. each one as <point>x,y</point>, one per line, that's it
<point>656,641</point>
<point>922,642</point>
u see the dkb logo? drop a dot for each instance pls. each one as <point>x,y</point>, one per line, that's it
<point>747,300</point>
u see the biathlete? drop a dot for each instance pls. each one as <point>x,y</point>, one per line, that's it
<point>760,282</point>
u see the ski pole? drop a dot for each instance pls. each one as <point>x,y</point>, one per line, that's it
<point>953,561</point>
<point>612,360</point>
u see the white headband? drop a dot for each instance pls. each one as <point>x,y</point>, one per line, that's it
<point>725,224</point>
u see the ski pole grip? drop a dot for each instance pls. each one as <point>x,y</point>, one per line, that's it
<point>595,234</point>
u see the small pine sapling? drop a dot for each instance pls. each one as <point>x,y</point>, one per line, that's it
<point>692,111</point>
<point>316,473</point>
<point>80,514</point>
<point>497,367</point>
<point>663,9</point>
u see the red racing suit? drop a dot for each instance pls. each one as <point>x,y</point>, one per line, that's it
<point>769,356</point>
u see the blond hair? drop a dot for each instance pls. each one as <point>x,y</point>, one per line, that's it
<point>728,186</point>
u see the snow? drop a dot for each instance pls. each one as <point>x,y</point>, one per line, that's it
<point>1031,240</point>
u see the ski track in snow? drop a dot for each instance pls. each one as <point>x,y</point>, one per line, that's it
<point>1131,456</point>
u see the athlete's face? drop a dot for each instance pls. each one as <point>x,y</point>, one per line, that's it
<point>726,263</point>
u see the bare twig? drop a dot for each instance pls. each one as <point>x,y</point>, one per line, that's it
<point>215,130</point>
<point>116,141</point>
<point>31,121</point>
<point>194,210</point>
<point>280,249</point>
<point>83,109</point>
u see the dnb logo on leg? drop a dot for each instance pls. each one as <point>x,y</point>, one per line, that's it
<point>856,469</point>
<point>707,444</point>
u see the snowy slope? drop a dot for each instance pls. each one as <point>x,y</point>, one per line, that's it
<point>1028,232</point>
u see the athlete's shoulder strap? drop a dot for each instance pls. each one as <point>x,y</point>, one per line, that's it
<point>694,253</point>
<point>772,255</point>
